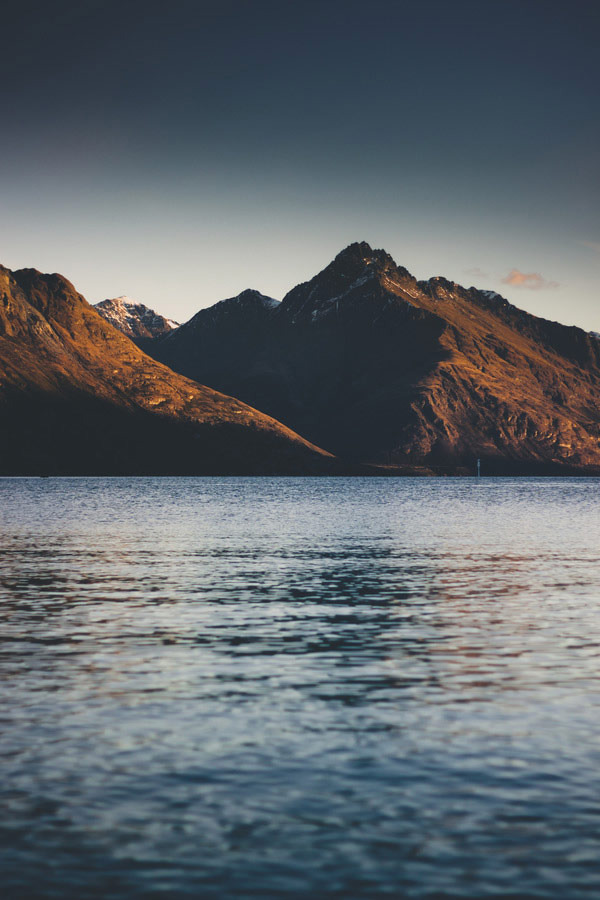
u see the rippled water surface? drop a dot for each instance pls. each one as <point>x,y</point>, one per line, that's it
<point>328,688</point>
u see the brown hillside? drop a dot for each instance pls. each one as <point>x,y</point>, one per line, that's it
<point>77,396</point>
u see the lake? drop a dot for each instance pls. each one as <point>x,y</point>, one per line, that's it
<point>299,687</point>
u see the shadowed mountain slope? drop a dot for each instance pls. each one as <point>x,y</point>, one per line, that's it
<point>77,396</point>
<point>374,365</point>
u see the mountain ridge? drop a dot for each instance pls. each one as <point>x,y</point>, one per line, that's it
<point>367,361</point>
<point>79,397</point>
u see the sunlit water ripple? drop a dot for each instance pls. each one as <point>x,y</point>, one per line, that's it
<point>329,688</point>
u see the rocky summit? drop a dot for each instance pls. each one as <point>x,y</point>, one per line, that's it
<point>78,397</point>
<point>376,366</point>
<point>137,321</point>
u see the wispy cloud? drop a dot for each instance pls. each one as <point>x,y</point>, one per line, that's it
<point>593,245</point>
<point>531,280</point>
<point>476,272</point>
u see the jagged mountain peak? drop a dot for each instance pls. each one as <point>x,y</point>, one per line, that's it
<point>135,319</point>
<point>122,303</point>
<point>361,250</point>
<point>357,271</point>
<point>123,300</point>
<point>358,257</point>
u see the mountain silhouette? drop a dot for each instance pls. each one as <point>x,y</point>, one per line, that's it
<point>376,366</point>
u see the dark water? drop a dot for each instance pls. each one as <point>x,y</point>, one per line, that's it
<point>345,688</point>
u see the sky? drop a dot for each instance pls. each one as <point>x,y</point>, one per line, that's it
<point>181,152</point>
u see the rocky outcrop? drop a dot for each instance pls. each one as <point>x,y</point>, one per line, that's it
<point>138,322</point>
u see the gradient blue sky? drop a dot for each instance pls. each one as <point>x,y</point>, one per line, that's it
<point>181,152</point>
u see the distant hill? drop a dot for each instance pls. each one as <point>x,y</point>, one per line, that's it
<point>138,322</point>
<point>77,397</point>
<point>374,365</point>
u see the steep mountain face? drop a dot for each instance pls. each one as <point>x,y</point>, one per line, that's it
<point>138,322</point>
<point>374,365</point>
<point>223,339</point>
<point>77,396</point>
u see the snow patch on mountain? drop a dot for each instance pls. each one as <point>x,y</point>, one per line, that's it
<point>134,318</point>
<point>249,297</point>
<point>247,307</point>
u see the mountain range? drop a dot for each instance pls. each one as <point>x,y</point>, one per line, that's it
<point>373,365</point>
<point>78,397</point>
<point>362,369</point>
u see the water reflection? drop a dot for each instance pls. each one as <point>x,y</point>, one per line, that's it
<point>299,687</point>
